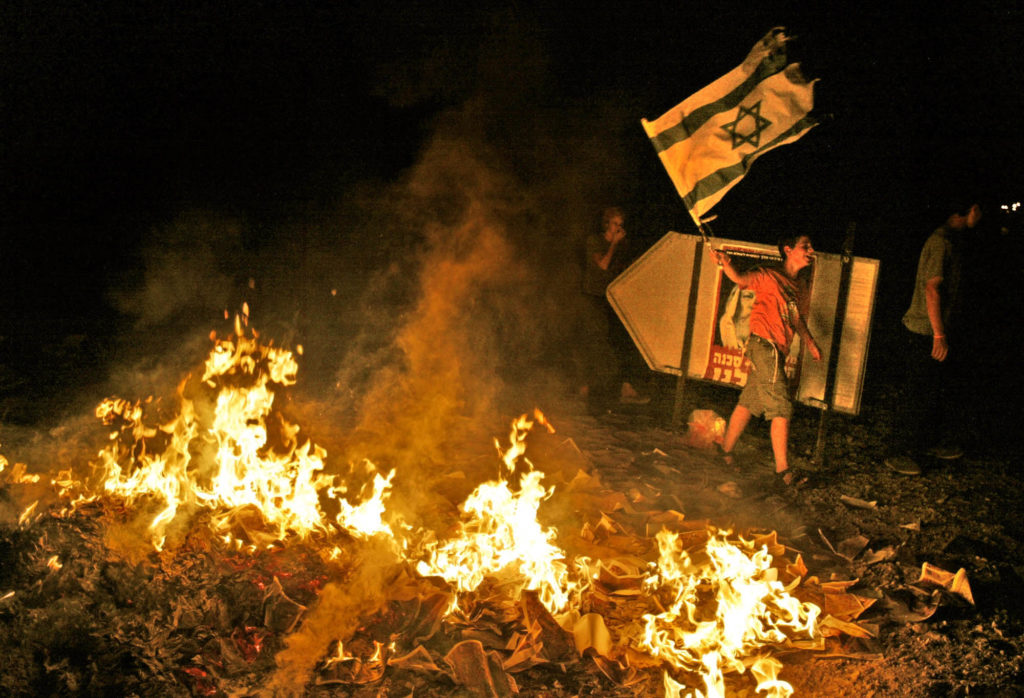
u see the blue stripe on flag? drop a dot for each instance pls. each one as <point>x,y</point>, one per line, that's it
<point>724,177</point>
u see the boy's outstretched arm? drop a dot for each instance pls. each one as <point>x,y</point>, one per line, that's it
<point>723,260</point>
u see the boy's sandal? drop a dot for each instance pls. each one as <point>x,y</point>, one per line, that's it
<point>728,460</point>
<point>791,478</point>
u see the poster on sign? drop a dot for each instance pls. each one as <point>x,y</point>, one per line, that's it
<point>727,362</point>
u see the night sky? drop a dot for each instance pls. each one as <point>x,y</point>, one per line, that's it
<point>119,118</point>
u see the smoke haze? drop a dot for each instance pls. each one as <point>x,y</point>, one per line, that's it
<point>447,295</point>
<point>431,306</point>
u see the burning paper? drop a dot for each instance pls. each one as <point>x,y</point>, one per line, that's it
<point>497,595</point>
<point>228,449</point>
<point>500,535</point>
<point>724,606</point>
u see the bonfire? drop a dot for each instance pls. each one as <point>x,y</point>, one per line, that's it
<point>338,589</point>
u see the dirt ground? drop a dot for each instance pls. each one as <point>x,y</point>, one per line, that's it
<point>956,514</point>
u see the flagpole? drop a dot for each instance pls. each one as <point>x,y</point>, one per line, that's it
<point>704,226</point>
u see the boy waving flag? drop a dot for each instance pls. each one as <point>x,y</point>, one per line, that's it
<point>710,140</point>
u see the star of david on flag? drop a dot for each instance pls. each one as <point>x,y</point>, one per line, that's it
<point>753,137</point>
<point>708,142</point>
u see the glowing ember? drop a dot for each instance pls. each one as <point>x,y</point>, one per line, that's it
<point>18,473</point>
<point>27,514</point>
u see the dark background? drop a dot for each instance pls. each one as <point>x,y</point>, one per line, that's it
<point>121,118</point>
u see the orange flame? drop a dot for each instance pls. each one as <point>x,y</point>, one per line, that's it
<point>722,608</point>
<point>501,537</point>
<point>223,458</point>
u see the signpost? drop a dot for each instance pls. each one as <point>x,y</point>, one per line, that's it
<point>687,319</point>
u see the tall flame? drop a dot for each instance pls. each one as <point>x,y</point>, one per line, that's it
<point>223,458</point>
<point>500,536</point>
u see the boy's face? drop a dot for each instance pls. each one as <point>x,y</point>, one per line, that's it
<point>802,253</point>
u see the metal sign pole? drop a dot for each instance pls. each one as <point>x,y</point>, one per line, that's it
<point>837,333</point>
<point>691,309</point>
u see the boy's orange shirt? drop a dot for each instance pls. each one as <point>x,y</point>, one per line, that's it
<point>779,300</point>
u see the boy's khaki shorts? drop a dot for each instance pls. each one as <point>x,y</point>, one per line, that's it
<point>767,390</point>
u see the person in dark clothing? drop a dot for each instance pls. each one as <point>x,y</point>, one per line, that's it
<point>606,255</point>
<point>933,357</point>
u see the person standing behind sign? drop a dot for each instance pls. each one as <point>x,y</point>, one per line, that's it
<point>924,414</point>
<point>780,304</point>
<point>606,255</point>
